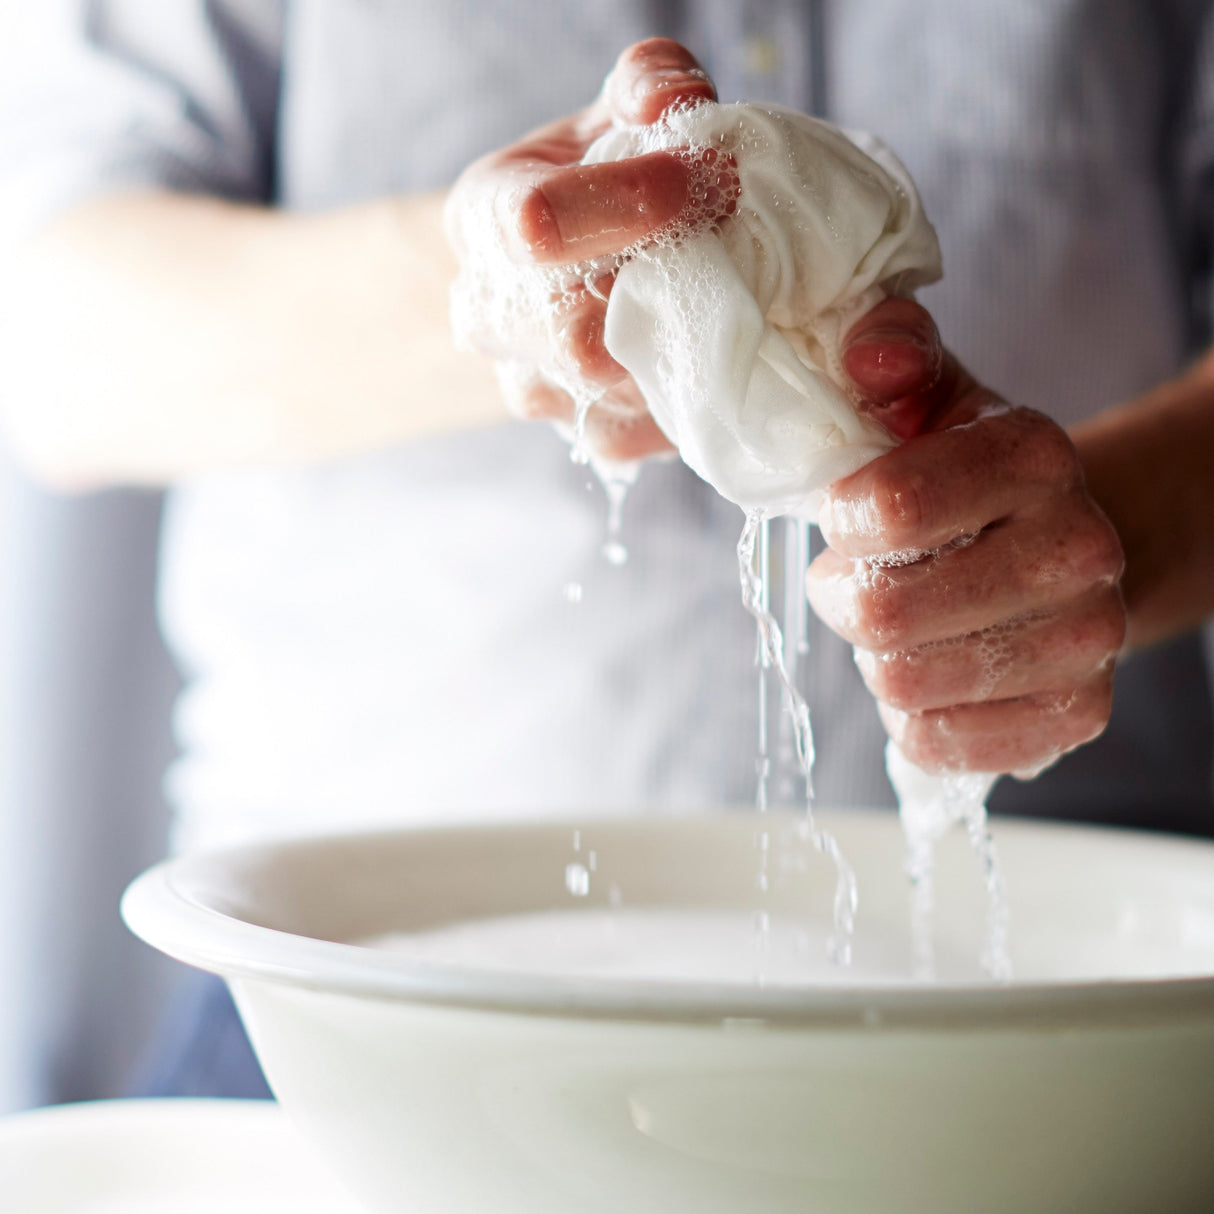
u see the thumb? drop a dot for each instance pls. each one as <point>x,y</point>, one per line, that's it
<point>894,359</point>
<point>652,76</point>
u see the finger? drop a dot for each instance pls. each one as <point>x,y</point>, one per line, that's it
<point>578,331</point>
<point>620,427</point>
<point>650,77</point>
<point>533,398</point>
<point>894,359</point>
<point>1021,566</point>
<point>550,208</point>
<point>1020,736</point>
<point>939,486</point>
<point>905,378</point>
<point>647,79</point>
<point>580,212</point>
<point>1038,652</point>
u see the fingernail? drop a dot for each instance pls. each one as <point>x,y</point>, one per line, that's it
<point>887,336</point>
<point>846,516</point>
<point>665,77</point>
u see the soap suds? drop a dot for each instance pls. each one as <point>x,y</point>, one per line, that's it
<point>730,317</point>
<point>733,333</point>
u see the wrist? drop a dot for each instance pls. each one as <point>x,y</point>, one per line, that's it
<point>1147,464</point>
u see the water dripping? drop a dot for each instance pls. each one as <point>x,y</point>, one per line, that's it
<point>577,879</point>
<point>771,642</point>
<point>613,548</point>
<point>929,806</point>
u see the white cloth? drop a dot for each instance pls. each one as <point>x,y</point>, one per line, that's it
<point>732,331</point>
<point>729,323</point>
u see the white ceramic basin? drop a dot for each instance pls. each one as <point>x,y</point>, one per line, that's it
<point>464,1088</point>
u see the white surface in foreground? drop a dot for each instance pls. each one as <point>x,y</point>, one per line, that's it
<point>162,1157</point>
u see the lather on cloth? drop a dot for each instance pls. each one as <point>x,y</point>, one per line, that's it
<point>733,335</point>
<point>730,324</point>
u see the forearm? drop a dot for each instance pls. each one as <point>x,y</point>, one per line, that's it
<point>147,337</point>
<point>1150,465</point>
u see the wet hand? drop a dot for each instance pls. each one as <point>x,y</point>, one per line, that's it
<point>554,211</point>
<point>969,567</point>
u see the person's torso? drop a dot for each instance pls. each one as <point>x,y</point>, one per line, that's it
<point>393,637</point>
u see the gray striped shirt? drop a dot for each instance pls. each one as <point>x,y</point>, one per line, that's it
<point>387,638</point>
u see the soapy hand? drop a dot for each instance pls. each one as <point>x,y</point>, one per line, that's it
<point>970,568</point>
<point>553,211</point>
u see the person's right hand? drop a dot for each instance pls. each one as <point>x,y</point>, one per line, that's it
<point>554,211</point>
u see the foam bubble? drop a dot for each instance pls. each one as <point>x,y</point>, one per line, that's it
<point>729,318</point>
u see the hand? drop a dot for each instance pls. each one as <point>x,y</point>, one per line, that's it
<point>970,568</point>
<point>555,211</point>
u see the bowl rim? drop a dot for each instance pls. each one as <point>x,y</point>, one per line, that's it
<point>163,908</point>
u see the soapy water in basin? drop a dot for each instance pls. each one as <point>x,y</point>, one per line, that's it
<point>651,944</point>
<point>716,946</point>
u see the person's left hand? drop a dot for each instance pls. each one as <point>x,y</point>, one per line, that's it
<point>970,568</point>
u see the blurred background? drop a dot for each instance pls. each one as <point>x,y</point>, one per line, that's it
<point>85,696</point>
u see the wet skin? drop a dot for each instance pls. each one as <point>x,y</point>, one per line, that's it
<point>976,577</point>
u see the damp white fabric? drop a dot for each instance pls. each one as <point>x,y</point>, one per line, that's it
<point>732,331</point>
<point>730,318</point>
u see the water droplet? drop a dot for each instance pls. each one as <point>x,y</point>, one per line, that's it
<point>577,879</point>
<point>613,549</point>
<point>573,592</point>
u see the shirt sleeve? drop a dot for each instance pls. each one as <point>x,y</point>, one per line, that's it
<point>98,96</point>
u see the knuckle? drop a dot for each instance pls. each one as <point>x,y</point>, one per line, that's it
<point>1084,726</point>
<point>1095,708</point>
<point>1103,628</point>
<point>1108,555</point>
<point>535,224</point>
<point>581,342</point>
<point>1046,452</point>
<point>924,741</point>
<point>897,680</point>
<point>1094,550</point>
<point>881,614</point>
<point>902,506</point>
<point>1081,716</point>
